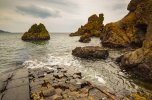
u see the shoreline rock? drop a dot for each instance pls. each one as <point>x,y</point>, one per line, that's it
<point>132,30</point>
<point>36,33</point>
<point>56,83</point>
<point>85,38</point>
<point>138,62</point>
<point>90,52</point>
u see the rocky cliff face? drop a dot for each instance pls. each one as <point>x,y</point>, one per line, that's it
<point>93,27</point>
<point>133,29</point>
<point>36,32</point>
<point>139,61</point>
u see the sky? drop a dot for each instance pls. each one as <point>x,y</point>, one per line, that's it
<point>57,15</point>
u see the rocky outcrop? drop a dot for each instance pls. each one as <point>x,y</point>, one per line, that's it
<point>138,62</point>
<point>90,52</point>
<point>85,38</point>
<point>36,32</point>
<point>93,27</point>
<point>132,29</point>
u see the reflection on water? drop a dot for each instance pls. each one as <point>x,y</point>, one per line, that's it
<point>39,42</point>
<point>57,51</point>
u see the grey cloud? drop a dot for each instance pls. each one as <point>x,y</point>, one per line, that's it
<point>61,2</point>
<point>36,11</point>
<point>119,6</point>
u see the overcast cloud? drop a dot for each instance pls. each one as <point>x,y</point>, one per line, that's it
<point>57,15</point>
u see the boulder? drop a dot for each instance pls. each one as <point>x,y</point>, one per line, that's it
<point>85,38</point>
<point>90,52</point>
<point>93,27</point>
<point>36,32</point>
<point>138,62</point>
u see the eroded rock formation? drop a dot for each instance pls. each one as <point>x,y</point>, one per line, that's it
<point>132,30</point>
<point>139,61</point>
<point>36,32</point>
<point>93,27</point>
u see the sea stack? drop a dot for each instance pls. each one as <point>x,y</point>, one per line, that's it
<point>93,27</point>
<point>35,33</point>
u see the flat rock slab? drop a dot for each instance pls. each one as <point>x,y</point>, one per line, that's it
<point>21,73</point>
<point>2,86</point>
<point>5,77</point>
<point>1,96</point>
<point>18,93</point>
<point>18,82</point>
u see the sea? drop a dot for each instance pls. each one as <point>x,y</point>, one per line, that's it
<point>15,53</point>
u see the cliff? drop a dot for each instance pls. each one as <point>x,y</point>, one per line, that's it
<point>137,32</point>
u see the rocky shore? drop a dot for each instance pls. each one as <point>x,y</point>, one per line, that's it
<point>133,31</point>
<point>56,83</point>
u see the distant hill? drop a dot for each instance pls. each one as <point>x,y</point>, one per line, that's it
<point>1,31</point>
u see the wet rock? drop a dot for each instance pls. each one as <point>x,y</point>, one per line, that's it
<point>56,97</point>
<point>21,73</point>
<point>17,93</point>
<point>76,76</point>
<point>49,77</point>
<point>49,87</point>
<point>36,32</point>
<point>78,73</point>
<point>73,87</point>
<point>85,38</point>
<point>47,92</point>
<point>36,82</point>
<point>18,82</point>
<point>6,77</point>
<point>49,71</point>
<point>93,27</point>
<point>73,94</point>
<point>81,83</point>
<point>63,70</point>
<point>2,86</point>
<point>58,91</point>
<point>58,75</point>
<point>36,88</point>
<point>90,52</point>
<point>95,94</point>
<point>138,63</point>
<point>1,96</point>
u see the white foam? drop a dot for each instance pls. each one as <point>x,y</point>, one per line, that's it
<point>51,60</point>
<point>68,61</point>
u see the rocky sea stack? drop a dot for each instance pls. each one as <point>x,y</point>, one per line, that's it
<point>93,28</point>
<point>36,32</point>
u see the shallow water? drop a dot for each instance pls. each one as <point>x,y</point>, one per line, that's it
<point>15,53</point>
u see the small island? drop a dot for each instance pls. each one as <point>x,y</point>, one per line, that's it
<point>2,31</point>
<point>36,32</point>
